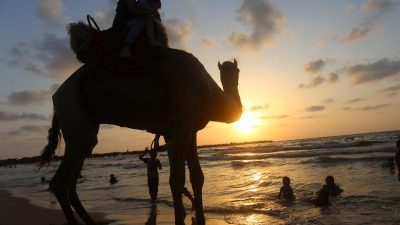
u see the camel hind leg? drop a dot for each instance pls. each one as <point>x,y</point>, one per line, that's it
<point>63,184</point>
<point>73,195</point>
<point>196,179</point>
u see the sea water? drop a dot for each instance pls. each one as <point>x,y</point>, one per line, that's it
<point>242,182</point>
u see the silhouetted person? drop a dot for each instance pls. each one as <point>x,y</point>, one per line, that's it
<point>135,17</point>
<point>331,187</point>
<point>390,163</point>
<point>169,148</point>
<point>153,164</point>
<point>113,179</point>
<point>322,198</point>
<point>397,157</point>
<point>286,192</point>
<point>43,180</point>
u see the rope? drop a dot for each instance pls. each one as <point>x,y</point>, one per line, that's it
<point>90,20</point>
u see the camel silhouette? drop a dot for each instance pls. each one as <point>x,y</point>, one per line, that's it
<point>177,100</point>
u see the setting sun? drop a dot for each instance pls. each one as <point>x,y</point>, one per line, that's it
<point>247,122</point>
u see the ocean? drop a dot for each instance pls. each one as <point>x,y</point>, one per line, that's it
<point>242,182</point>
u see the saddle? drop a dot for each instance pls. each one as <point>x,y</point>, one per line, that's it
<point>103,60</point>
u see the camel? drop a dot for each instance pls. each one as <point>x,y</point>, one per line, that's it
<point>176,100</point>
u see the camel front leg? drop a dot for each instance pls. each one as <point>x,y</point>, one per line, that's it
<point>196,179</point>
<point>177,173</point>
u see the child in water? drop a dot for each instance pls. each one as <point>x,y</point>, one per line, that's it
<point>322,198</point>
<point>331,187</point>
<point>286,192</point>
<point>113,179</point>
<point>153,164</point>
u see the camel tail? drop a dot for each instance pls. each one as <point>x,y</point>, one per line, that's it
<point>54,139</point>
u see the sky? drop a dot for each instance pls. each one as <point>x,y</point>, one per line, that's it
<point>309,68</point>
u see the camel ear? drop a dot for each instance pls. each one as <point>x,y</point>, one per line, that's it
<point>235,63</point>
<point>219,66</point>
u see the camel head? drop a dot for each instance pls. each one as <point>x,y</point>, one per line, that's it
<point>230,79</point>
<point>229,74</point>
<point>79,38</point>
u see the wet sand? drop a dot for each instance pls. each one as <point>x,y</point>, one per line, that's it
<point>19,211</point>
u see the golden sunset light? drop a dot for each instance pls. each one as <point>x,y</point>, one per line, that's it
<point>200,112</point>
<point>248,122</point>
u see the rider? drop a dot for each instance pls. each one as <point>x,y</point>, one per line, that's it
<point>136,17</point>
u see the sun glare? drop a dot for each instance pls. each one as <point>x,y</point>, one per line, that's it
<point>247,122</point>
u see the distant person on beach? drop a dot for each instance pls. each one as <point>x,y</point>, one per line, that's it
<point>169,148</point>
<point>153,164</point>
<point>331,187</point>
<point>390,165</point>
<point>113,179</point>
<point>43,180</point>
<point>397,157</point>
<point>286,192</point>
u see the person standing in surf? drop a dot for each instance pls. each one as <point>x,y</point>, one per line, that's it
<point>153,164</point>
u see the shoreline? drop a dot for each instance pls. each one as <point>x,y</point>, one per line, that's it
<point>36,215</point>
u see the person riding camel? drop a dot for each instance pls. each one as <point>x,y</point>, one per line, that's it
<point>136,17</point>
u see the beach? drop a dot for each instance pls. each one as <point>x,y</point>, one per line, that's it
<point>242,182</point>
<point>19,211</point>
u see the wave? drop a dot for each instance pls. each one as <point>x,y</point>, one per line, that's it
<point>245,163</point>
<point>242,209</point>
<point>294,154</point>
<point>370,200</point>
<point>328,159</point>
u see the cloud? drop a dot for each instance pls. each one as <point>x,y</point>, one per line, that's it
<point>382,5</point>
<point>356,100</point>
<point>376,9</point>
<point>328,101</point>
<point>49,57</point>
<point>264,20</point>
<point>207,43</point>
<point>347,108</point>
<point>315,108</point>
<point>309,117</point>
<point>51,11</point>
<point>7,116</point>
<point>107,126</point>
<point>391,91</point>
<point>371,72</point>
<point>179,31</point>
<point>325,38</point>
<point>315,66</point>
<point>277,117</point>
<point>28,129</point>
<point>316,81</point>
<point>392,88</point>
<point>31,97</point>
<point>333,77</point>
<point>356,34</point>
<point>375,107</point>
<point>349,8</point>
<point>259,107</point>
<point>105,18</point>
